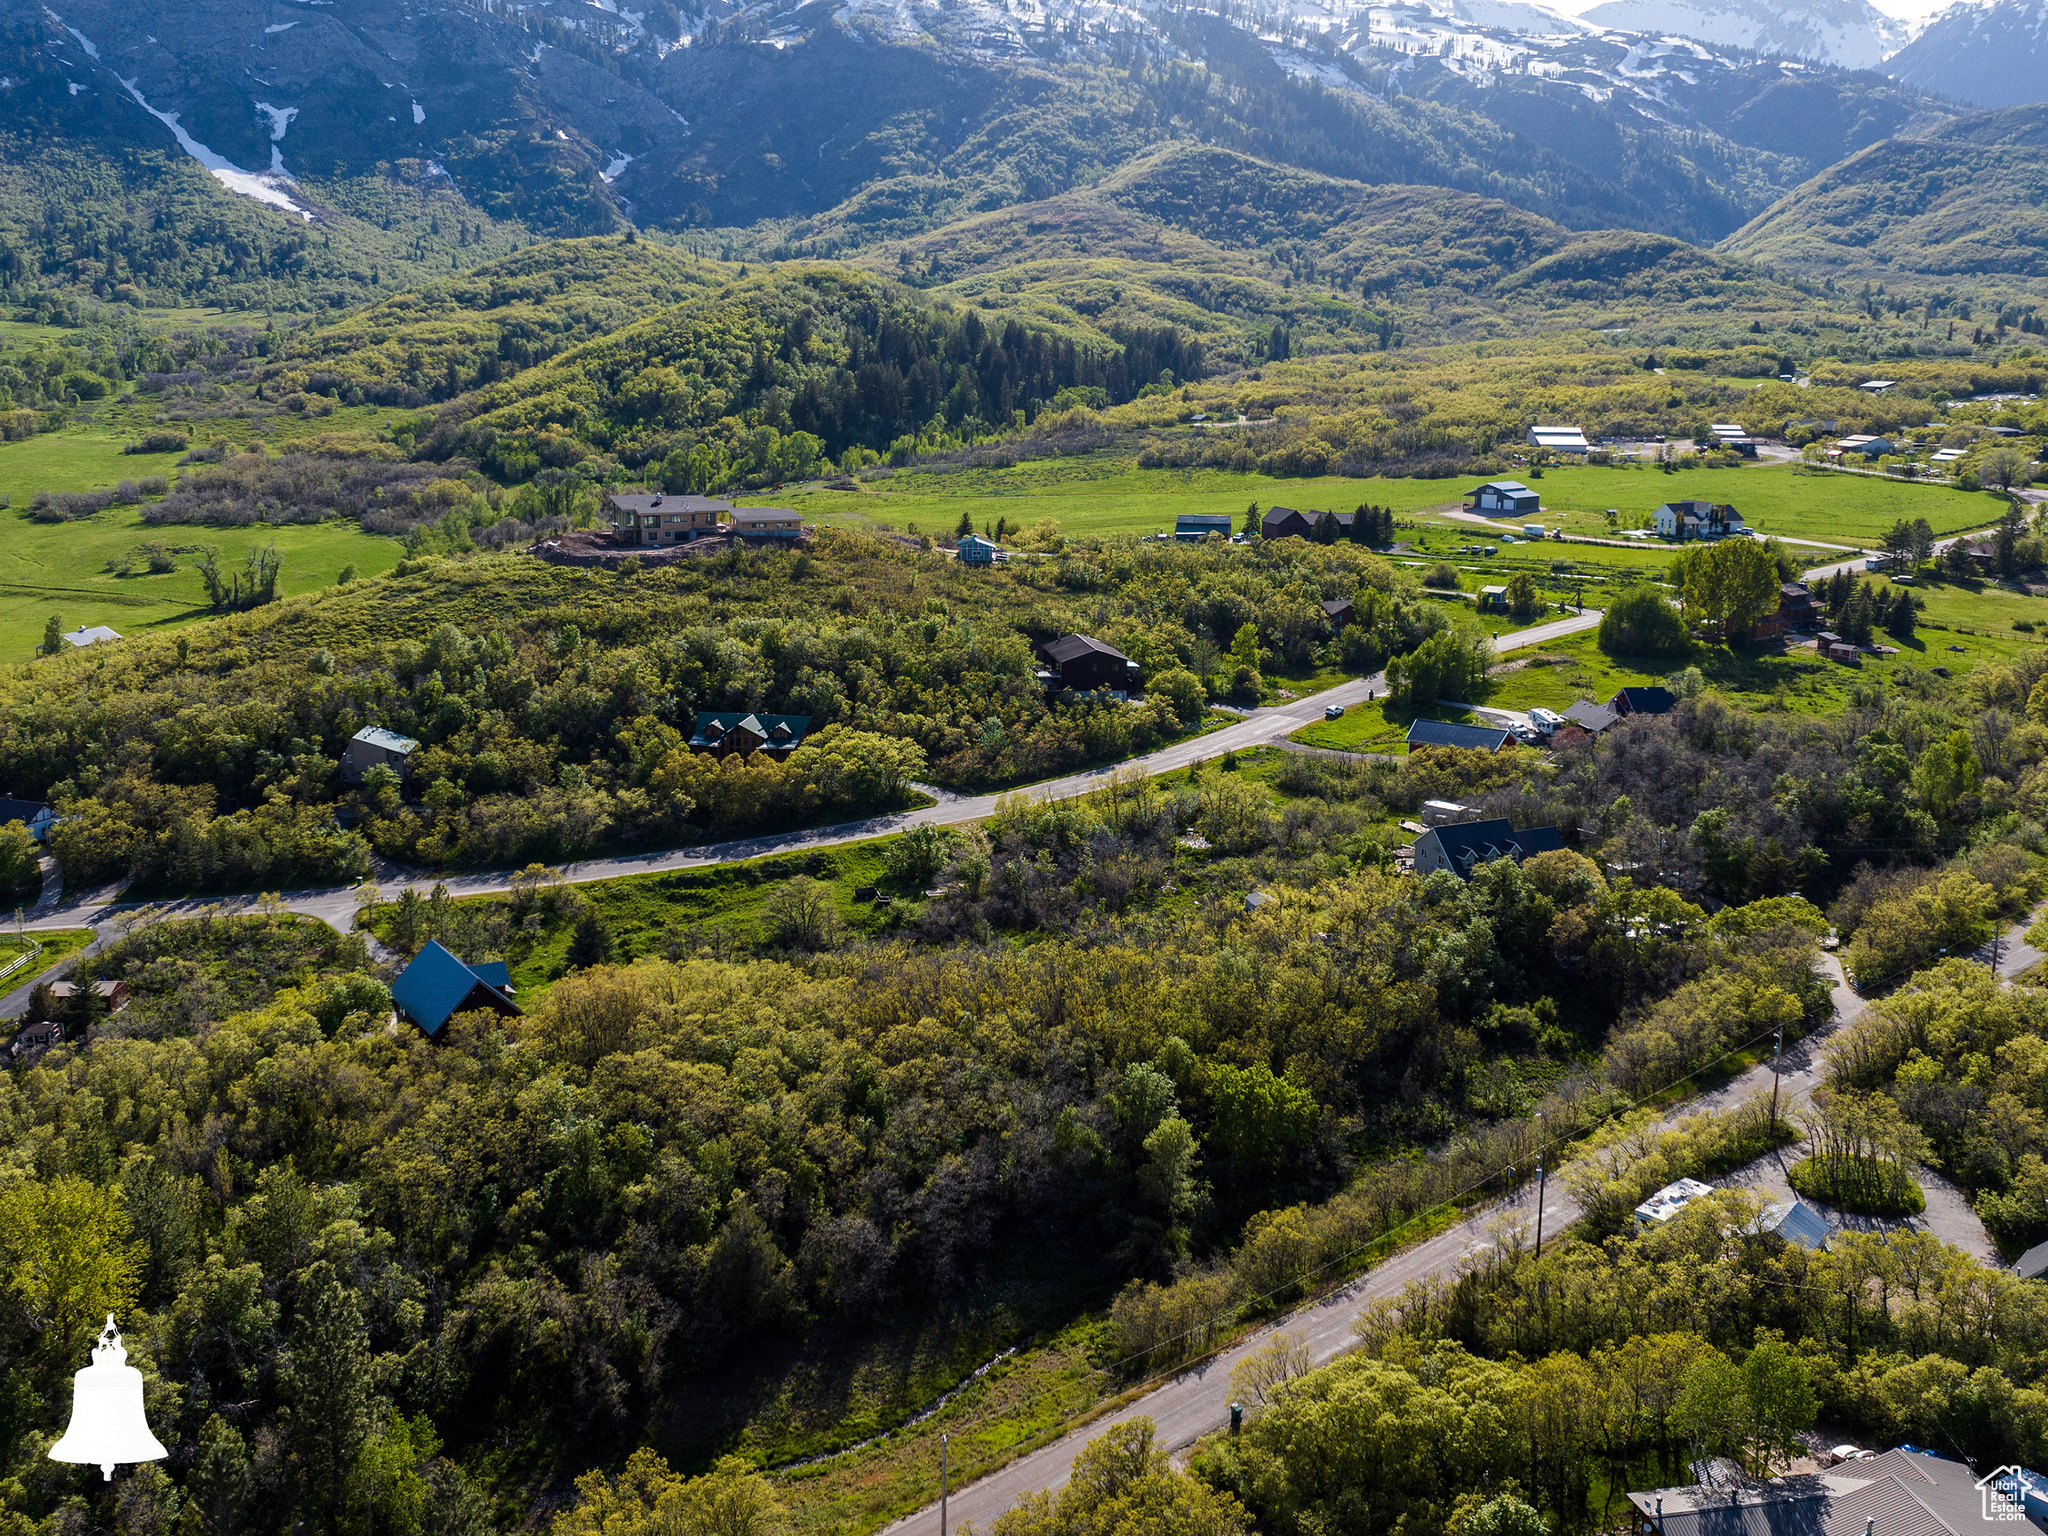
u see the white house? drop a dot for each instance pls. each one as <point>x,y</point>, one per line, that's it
<point>1699,520</point>
<point>99,634</point>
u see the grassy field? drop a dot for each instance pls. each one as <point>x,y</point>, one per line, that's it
<point>58,944</point>
<point>61,568</point>
<point>1098,494</point>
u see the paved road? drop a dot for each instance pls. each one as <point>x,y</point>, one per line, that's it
<point>1258,728</point>
<point>1196,1402</point>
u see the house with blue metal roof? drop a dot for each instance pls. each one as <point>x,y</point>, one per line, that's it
<point>1442,733</point>
<point>437,986</point>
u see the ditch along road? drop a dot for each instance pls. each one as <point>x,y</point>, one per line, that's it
<point>1261,727</point>
<point>1197,1401</point>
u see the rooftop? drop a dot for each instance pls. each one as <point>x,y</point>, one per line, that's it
<point>437,986</point>
<point>390,741</point>
<point>1442,733</point>
<point>1670,1200</point>
<point>1903,1492</point>
<point>93,636</point>
<point>1068,647</point>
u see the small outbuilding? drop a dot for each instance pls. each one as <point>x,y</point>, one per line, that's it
<point>1195,527</point>
<point>437,986</point>
<point>1796,1222</point>
<point>1560,439</point>
<point>98,634</point>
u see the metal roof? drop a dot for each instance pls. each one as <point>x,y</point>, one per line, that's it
<point>1796,1222</point>
<point>1468,844</point>
<point>21,810</point>
<point>1653,700</point>
<point>1670,1200</point>
<point>437,986</point>
<point>390,741</point>
<point>1068,647</point>
<point>93,636</point>
<point>1442,733</point>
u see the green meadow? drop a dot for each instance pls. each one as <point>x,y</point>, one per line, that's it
<point>1099,494</point>
<point>62,568</point>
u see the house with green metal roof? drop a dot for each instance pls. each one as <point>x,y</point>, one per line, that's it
<point>437,986</point>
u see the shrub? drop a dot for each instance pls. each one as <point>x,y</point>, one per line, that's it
<point>1640,621</point>
<point>163,441</point>
<point>1443,576</point>
<point>1864,1186</point>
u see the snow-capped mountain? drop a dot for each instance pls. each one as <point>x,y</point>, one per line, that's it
<point>1986,55</point>
<point>1852,34</point>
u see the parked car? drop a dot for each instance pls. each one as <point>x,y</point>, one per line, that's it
<point>1333,712</point>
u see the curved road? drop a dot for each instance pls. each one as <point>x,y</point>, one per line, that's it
<point>1258,728</point>
<point>1196,1402</point>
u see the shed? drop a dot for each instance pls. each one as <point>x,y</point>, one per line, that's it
<point>437,986</point>
<point>1443,733</point>
<point>1493,599</point>
<point>372,746</point>
<point>98,634</point>
<point>1796,1222</point>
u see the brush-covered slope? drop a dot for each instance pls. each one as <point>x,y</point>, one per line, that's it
<point>1968,202</point>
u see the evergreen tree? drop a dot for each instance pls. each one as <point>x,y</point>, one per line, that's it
<point>1251,518</point>
<point>590,943</point>
<point>966,525</point>
<point>1277,347</point>
<point>53,636</point>
<point>221,1481</point>
<point>328,1395</point>
<point>1362,523</point>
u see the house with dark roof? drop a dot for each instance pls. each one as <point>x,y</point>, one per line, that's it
<point>1592,718</point>
<point>653,517</point>
<point>2033,1264</point>
<point>437,986</point>
<point>33,814</point>
<point>1338,611</point>
<point>1444,733</point>
<point>1653,700</point>
<point>1505,496</point>
<point>1797,609</point>
<point>1081,663</point>
<point>1194,527</point>
<point>1463,846</point>
<point>372,747</point>
<point>722,735</point>
<point>1285,523</point>
<point>1683,520</point>
<point>1903,1492</point>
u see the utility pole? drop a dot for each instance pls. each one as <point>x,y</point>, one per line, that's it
<point>943,1469</point>
<point>1777,1066</point>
